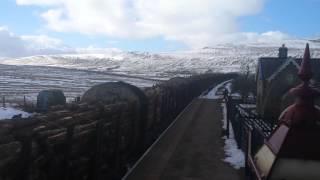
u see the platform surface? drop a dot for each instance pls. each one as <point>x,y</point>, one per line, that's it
<point>191,149</point>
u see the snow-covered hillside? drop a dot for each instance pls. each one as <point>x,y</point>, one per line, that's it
<point>75,73</point>
<point>222,58</point>
<point>19,81</point>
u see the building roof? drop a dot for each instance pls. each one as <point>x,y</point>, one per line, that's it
<point>315,64</point>
<point>283,66</point>
<point>268,66</point>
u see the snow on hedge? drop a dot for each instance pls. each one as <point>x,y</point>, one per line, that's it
<point>212,94</point>
<point>234,156</point>
<point>9,112</point>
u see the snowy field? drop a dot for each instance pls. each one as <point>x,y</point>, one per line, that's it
<point>9,112</point>
<point>19,81</point>
<point>223,58</point>
<point>75,73</point>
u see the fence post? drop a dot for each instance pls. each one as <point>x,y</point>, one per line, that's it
<point>24,101</point>
<point>97,158</point>
<point>68,146</point>
<point>228,115</point>
<point>248,152</point>
<point>25,159</point>
<point>4,101</point>
<point>117,162</point>
<point>240,131</point>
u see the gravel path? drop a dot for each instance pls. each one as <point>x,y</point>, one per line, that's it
<point>191,149</point>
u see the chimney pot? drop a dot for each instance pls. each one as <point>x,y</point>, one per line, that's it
<point>283,52</point>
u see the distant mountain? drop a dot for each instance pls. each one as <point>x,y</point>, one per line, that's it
<point>315,40</point>
<point>221,58</point>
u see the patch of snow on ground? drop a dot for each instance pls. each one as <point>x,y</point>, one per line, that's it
<point>212,94</point>
<point>236,95</point>
<point>228,86</point>
<point>248,105</point>
<point>9,112</point>
<point>234,156</point>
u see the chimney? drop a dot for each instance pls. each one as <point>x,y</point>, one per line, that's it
<point>283,52</point>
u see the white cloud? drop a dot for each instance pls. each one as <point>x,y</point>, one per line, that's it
<point>12,45</point>
<point>96,50</point>
<point>38,2</point>
<point>195,22</point>
<point>269,37</point>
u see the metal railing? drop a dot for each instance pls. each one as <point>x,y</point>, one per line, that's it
<point>250,130</point>
<point>243,119</point>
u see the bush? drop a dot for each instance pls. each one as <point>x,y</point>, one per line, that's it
<point>245,85</point>
<point>48,98</point>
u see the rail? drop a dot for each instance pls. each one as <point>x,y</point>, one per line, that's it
<point>250,130</point>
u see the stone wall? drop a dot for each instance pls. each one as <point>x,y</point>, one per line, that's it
<point>94,141</point>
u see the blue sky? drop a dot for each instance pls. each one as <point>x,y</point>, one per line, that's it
<point>164,27</point>
<point>299,18</point>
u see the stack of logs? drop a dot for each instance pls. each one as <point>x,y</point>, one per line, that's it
<point>82,141</point>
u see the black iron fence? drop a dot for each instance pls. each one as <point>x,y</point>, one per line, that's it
<point>250,130</point>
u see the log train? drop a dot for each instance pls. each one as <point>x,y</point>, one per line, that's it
<point>98,138</point>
